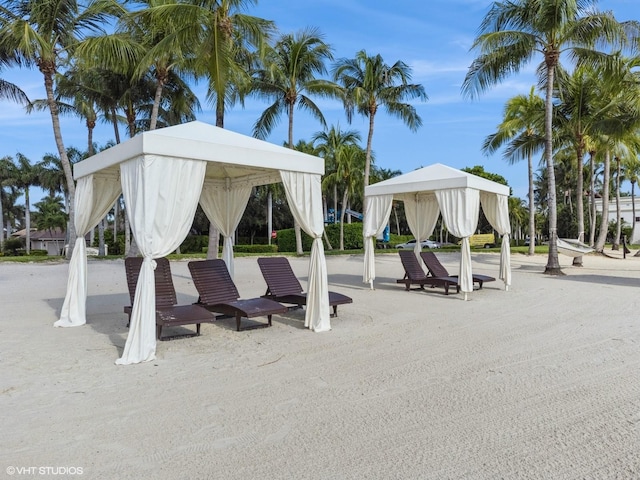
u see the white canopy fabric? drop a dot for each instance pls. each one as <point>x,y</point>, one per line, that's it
<point>224,206</point>
<point>378,209</point>
<point>163,174</point>
<point>95,195</point>
<point>456,195</point>
<point>304,195</point>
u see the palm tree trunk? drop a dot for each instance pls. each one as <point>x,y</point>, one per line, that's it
<point>101,251</point>
<point>604,224</point>
<point>616,241</point>
<point>269,216</point>
<point>367,162</point>
<point>553,264</point>
<point>214,242</point>
<point>532,208</point>
<point>335,203</point>
<point>592,196</point>
<point>66,165</point>
<point>345,197</point>
<point>633,212</point>
<point>116,130</point>
<point>156,106</point>
<point>577,261</point>
<point>27,220</point>
<point>296,226</point>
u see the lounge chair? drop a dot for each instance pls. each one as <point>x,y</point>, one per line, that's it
<point>436,269</point>
<point>219,294</point>
<point>415,275</point>
<point>168,313</point>
<point>283,286</point>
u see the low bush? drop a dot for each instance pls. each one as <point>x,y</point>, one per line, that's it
<point>255,248</point>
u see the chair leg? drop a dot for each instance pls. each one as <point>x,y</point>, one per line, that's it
<point>446,289</point>
<point>335,310</point>
<point>158,331</point>
<point>269,319</point>
<point>238,317</point>
<point>198,329</point>
<point>480,282</point>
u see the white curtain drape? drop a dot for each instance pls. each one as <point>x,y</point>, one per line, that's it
<point>460,208</point>
<point>496,209</point>
<point>161,195</point>
<point>224,206</point>
<point>422,212</point>
<point>94,197</point>
<point>378,210</point>
<point>304,196</point>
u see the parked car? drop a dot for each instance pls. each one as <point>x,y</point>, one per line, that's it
<point>425,244</point>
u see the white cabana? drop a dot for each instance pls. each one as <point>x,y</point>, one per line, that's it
<point>163,174</point>
<point>429,192</point>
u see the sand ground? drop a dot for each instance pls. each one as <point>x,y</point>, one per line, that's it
<point>540,382</point>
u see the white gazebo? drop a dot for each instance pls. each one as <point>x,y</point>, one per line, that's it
<point>429,192</point>
<point>163,175</point>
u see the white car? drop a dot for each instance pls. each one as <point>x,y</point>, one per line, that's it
<point>425,244</point>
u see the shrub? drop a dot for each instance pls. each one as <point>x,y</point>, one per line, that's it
<point>352,235</point>
<point>39,253</point>
<point>286,241</point>
<point>12,246</point>
<point>255,248</point>
<point>194,244</point>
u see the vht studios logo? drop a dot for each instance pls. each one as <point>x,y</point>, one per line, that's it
<point>44,470</point>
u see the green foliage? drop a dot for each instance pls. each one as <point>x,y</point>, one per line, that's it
<point>39,253</point>
<point>352,235</point>
<point>13,245</point>
<point>113,247</point>
<point>256,248</point>
<point>194,244</point>
<point>286,241</point>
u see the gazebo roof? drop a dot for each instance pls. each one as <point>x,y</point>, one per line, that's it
<point>232,155</point>
<point>434,177</point>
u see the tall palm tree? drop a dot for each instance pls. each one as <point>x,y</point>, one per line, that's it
<point>7,173</point>
<point>289,75</point>
<point>327,143</point>
<point>220,39</point>
<point>521,130</point>
<point>511,34</point>
<point>44,34</point>
<point>26,175</point>
<point>350,161</point>
<point>369,84</point>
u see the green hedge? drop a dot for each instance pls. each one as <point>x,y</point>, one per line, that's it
<point>286,239</point>
<point>255,248</point>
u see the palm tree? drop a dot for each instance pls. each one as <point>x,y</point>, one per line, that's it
<point>50,215</point>
<point>44,33</point>
<point>522,130</point>
<point>287,79</point>
<point>369,84</point>
<point>511,34</point>
<point>7,172</point>
<point>327,143</point>
<point>26,176</point>
<point>350,160</point>
<point>218,38</point>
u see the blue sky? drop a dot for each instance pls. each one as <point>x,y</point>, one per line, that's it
<point>432,36</point>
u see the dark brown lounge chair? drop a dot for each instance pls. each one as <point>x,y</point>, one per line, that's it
<point>168,313</point>
<point>414,274</point>
<point>436,269</point>
<point>219,294</point>
<point>283,285</point>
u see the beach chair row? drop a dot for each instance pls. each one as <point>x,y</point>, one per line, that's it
<point>219,296</point>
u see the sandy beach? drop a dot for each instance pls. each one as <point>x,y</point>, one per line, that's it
<point>538,382</point>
